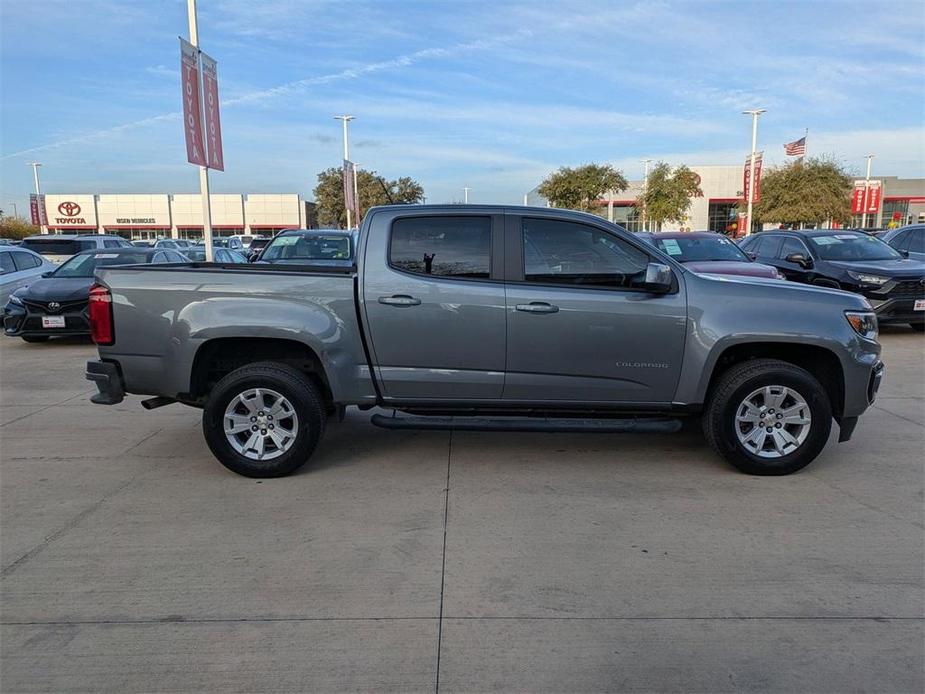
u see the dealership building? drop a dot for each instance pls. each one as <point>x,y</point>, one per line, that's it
<point>716,209</point>
<point>149,216</point>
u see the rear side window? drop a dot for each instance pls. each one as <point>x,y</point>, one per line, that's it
<point>766,246</point>
<point>25,261</point>
<point>559,252</point>
<point>112,244</point>
<point>6,263</point>
<point>442,246</point>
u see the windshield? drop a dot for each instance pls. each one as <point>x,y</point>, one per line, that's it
<point>53,246</point>
<point>852,247</point>
<point>308,247</point>
<point>701,248</point>
<point>85,264</point>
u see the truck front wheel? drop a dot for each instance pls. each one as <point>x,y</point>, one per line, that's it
<point>263,420</point>
<point>768,417</point>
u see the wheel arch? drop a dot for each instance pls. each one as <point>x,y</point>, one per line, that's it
<point>818,360</point>
<point>219,356</point>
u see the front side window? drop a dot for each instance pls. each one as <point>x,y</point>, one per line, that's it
<point>791,246</point>
<point>559,252</point>
<point>442,246</point>
<point>916,241</point>
<point>6,263</point>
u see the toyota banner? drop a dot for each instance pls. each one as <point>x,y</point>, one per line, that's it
<point>192,108</point>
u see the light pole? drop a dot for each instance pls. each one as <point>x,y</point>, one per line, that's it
<point>356,193</point>
<point>754,113</point>
<point>466,190</point>
<point>866,188</point>
<point>38,189</point>
<point>645,189</point>
<point>203,170</point>
<point>346,119</point>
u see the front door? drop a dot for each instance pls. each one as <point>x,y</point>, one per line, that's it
<point>579,327</point>
<point>433,297</point>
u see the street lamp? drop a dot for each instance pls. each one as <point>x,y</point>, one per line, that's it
<point>754,113</point>
<point>866,188</point>
<point>38,189</point>
<point>466,190</point>
<point>346,119</point>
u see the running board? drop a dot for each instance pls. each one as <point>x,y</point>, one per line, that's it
<point>637,425</point>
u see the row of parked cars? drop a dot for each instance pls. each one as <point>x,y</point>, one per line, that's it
<point>45,281</point>
<point>887,269</point>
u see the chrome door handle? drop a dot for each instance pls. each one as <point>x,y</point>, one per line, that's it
<point>537,307</point>
<point>399,300</point>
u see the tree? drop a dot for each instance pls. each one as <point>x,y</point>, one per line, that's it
<point>329,194</point>
<point>16,228</point>
<point>812,191</point>
<point>667,196</point>
<point>580,188</point>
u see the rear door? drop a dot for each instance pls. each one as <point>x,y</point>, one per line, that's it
<point>578,329</point>
<point>433,298</point>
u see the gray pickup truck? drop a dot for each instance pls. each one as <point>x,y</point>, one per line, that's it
<point>487,318</point>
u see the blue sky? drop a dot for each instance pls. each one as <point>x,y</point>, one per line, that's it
<point>490,95</point>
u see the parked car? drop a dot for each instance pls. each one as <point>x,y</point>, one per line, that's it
<point>244,239</point>
<point>56,304</point>
<point>231,242</point>
<point>10,242</point>
<point>59,247</point>
<point>219,255</point>
<point>143,243</point>
<point>909,241</point>
<point>850,260</point>
<point>706,251</point>
<point>19,267</point>
<point>175,244</point>
<point>256,245</point>
<point>317,247</point>
<point>488,318</point>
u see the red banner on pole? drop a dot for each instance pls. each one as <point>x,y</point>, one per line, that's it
<point>857,197</point>
<point>872,199</point>
<point>35,208</point>
<point>213,122</point>
<point>746,183</point>
<point>192,108</point>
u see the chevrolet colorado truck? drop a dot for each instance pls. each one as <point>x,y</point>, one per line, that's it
<point>487,318</point>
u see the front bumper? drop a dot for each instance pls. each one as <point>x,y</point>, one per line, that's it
<point>108,380</point>
<point>895,302</point>
<point>26,319</point>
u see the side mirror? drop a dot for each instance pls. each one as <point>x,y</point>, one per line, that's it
<point>904,254</point>
<point>658,278</point>
<point>48,274</point>
<point>752,255</point>
<point>800,260</point>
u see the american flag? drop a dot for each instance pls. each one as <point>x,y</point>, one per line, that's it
<point>797,148</point>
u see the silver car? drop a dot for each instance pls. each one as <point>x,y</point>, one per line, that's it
<point>18,267</point>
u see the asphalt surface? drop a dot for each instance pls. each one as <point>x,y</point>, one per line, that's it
<point>133,561</point>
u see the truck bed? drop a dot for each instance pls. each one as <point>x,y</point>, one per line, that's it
<point>164,313</point>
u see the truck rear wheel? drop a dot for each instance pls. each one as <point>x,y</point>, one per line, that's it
<point>263,420</point>
<point>768,417</point>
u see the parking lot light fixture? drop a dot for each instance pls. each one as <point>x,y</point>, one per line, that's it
<point>754,113</point>
<point>346,119</point>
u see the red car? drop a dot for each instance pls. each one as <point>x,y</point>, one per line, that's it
<point>708,252</point>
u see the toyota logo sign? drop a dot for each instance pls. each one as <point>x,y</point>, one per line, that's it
<point>53,306</point>
<point>69,209</point>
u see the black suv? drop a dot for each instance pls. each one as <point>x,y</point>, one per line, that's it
<point>894,284</point>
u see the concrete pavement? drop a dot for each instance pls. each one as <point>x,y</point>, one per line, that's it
<point>396,561</point>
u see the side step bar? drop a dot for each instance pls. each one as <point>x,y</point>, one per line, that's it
<point>635,425</point>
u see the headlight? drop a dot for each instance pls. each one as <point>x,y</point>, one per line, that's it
<point>864,323</point>
<point>864,278</point>
<point>15,300</point>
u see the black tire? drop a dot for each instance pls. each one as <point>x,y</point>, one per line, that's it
<point>918,327</point>
<point>35,338</point>
<point>294,386</point>
<point>735,385</point>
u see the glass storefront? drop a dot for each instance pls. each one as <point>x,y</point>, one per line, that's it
<point>723,216</point>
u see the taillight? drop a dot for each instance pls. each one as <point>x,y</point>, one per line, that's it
<point>100,310</point>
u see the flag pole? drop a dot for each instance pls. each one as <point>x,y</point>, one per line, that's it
<point>805,140</point>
